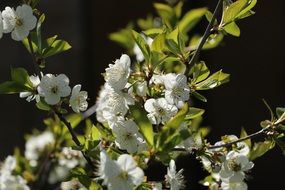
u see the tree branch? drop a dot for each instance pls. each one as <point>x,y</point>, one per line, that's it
<point>74,137</point>
<point>206,34</point>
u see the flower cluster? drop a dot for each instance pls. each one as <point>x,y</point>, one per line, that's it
<point>119,93</point>
<point>228,167</point>
<point>19,22</point>
<point>8,181</point>
<point>53,88</point>
<point>120,174</point>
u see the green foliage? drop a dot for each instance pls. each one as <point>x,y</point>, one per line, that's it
<point>169,137</point>
<point>20,82</point>
<point>123,37</point>
<point>190,19</point>
<point>142,45</point>
<point>194,113</point>
<point>213,81</point>
<point>143,123</point>
<point>260,148</point>
<point>84,179</point>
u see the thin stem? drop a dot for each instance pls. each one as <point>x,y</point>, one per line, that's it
<point>256,134</point>
<point>34,57</point>
<point>74,137</point>
<point>206,34</point>
<point>262,131</point>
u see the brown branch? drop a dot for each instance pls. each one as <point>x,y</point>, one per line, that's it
<point>205,36</point>
<point>74,137</point>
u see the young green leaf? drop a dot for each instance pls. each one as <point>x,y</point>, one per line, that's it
<point>199,72</point>
<point>167,14</point>
<point>232,29</point>
<point>144,47</point>
<point>261,148</point>
<point>190,19</point>
<point>194,112</point>
<point>21,76</point>
<point>140,118</point>
<point>233,10</point>
<point>167,138</point>
<point>54,46</point>
<point>213,81</point>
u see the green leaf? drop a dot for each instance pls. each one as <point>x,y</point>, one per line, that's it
<point>194,112</point>
<point>123,36</point>
<point>153,32</point>
<point>260,148</point>
<point>42,105</point>
<point>21,76</point>
<point>247,9</point>
<point>280,111</point>
<point>199,96</point>
<point>158,43</point>
<point>213,81</point>
<point>74,119</point>
<point>232,29</point>
<point>12,87</point>
<point>167,14</point>
<point>190,19</point>
<point>200,72</point>
<point>84,179</point>
<point>39,34</point>
<point>212,42</point>
<point>141,119</point>
<point>233,10</point>
<point>175,42</point>
<point>144,47</point>
<point>54,47</point>
<point>168,137</point>
<point>243,134</point>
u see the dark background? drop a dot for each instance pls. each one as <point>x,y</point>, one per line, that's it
<point>255,62</point>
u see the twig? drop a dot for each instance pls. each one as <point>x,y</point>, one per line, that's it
<point>262,131</point>
<point>74,137</point>
<point>34,57</point>
<point>205,35</point>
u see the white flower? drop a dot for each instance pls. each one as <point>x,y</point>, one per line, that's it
<point>234,186</point>
<point>234,166</point>
<point>173,178</point>
<point>127,136</point>
<point>123,174</point>
<point>78,99</point>
<point>9,181</point>
<point>141,89</point>
<point>70,158</point>
<point>160,111</point>
<point>113,106</point>
<point>1,25</point>
<point>19,22</point>
<point>36,144</point>
<point>52,88</point>
<point>176,89</point>
<point>30,96</point>
<point>137,50</point>
<point>117,74</point>
<point>101,102</point>
<point>156,79</point>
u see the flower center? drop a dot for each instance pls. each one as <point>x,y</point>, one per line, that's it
<point>124,175</point>
<point>234,166</point>
<point>54,89</point>
<point>19,22</point>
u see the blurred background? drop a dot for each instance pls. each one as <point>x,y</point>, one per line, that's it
<point>255,62</point>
